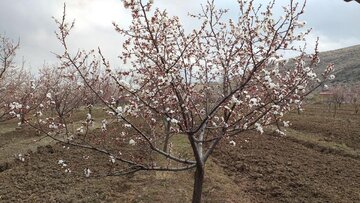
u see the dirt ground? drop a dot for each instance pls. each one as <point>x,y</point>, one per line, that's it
<point>275,169</point>
<point>318,161</point>
<point>319,164</point>
<point>343,128</point>
<point>41,179</point>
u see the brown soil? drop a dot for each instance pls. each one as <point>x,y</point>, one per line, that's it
<point>20,141</point>
<point>276,169</point>
<point>261,168</point>
<point>342,127</point>
<point>41,179</point>
<point>319,164</point>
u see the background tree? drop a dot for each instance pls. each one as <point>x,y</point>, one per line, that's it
<point>353,96</point>
<point>224,78</point>
<point>337,97</point>
<point>28,92</point>
<point>8,71</point>
<point>64,95</point>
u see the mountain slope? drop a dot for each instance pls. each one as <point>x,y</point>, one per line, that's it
<point>346,61</point>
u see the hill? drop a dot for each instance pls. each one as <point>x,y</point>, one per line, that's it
<point>346,61</point>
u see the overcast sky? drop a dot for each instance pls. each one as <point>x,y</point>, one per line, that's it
<point>336,23</point>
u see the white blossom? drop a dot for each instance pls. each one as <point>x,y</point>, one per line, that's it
<point>15,105</point>
<point>132,142</point>
<point>88,117</point>
<point>103,125</point>
<point>276,107</point>
<point>48,95</point>
<point>53,126</point>
<point>119,110</point>
<point>253,102</point>
<point>311,75</point>
<point>300,23</point>
<point>259,128</point>
<point>268,79</point>
<point>112,159</point>
<point>62,163</point>
<point>280,132</point>
<point>80,130</point>
<point>173,120</point>
<point>12,113</point>
<point>32,84</point>
<point>286,123</point>
<point>87,172</point>
<point>124,83</point>
<point>235,100</point>
<point>20,157</point>
<point>272,85</point>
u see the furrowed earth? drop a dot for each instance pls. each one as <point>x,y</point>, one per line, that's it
<point>317,161</point>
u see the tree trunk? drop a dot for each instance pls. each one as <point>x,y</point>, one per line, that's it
<point>166,143</point>
<point>90,109</point>
<point>167,136</point>
<point>22,118</point>
<point>335,109</point>
<point>198,184</point>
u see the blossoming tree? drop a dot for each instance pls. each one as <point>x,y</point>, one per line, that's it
<point>8,86</point>
<point>63,94</point>
<point>24,94</point>
<point>207,85</point>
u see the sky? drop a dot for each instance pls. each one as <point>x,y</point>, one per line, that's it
<point>335,22</point>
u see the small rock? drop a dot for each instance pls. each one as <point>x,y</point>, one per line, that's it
<point>48,149</point>
<point>4,166</point>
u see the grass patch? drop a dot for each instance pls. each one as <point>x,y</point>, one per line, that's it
<point>322,143</point>
<point>8,126</point>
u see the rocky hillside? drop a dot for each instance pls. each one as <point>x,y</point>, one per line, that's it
<point>347,63</point>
